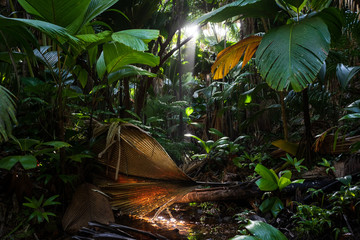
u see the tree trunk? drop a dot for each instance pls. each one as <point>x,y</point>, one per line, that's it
<point>283,115</point>
<point>307,143</point>
<point>180,98</point>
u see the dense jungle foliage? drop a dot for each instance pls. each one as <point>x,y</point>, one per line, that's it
<point>254,91</point>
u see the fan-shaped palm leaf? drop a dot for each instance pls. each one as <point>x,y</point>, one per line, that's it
<point>230,56</point>
<point>7,113</point>
<point>293,54</point>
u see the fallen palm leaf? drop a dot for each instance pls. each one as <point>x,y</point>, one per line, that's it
<point>230,56</point>
<point>149,178</point>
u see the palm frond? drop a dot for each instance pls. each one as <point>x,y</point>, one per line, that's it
<point>7,113</point>
<point>144,197</point>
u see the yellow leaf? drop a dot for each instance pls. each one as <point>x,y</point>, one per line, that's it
<point>230,56</point>
<point>286,146</point>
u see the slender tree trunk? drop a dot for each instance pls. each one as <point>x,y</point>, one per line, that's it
<point>308,136</point>
<point>180,98</point>
<point>283,115</point>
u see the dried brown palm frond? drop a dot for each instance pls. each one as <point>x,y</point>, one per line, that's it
<point>129,151</point>
<point>88,204</point>
<point>143,198</point>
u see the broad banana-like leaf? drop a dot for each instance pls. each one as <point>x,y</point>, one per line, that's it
<point>117,55</point>
<point>7,113</point>
<point>292,55</point>
<point>245,8</point>
<point>230,56</point>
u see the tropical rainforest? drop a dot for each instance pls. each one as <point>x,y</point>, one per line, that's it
<point>178,119</point>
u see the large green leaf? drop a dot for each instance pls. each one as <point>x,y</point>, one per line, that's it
<point>136,38</point>
<point>128,71</point>
<point>264,231</point>
<point>60,12</point>
<point>101,66</point>
<point>95,8</point>
<point>118,55</point>
<point>334,20</point>
<point>293,54</point>
<point>27,161</point>
<point>52,30</point>
<point>7,113</point>
<point>269,180</point>
<point>71,14</point>
<point>245,8</point>
<point>273,204</point>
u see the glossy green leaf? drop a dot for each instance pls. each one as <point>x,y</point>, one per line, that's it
<point>273,205</point>
<point>266,185</point>
<point>354,106</point>
<point>95,8</point>
<point>52,30</point>
<point>298,181</point>
<point>57,144</point>
<point>284,182</point>
<point>101,66</point>
<point>245,8</point>
<point>346,180</point>
<point>293,54</point>
<point>286,174</point>
<point>27,161</point>
<point>344,74</point>
<point>118,55</point>
<point>128,71</point>
<point>266,173</point>
<point>264,231</point>
<point>98,38</point>
<point>350,116</point>
<point>130,41</point>
<point>137,39</point>
<point>64,13</point>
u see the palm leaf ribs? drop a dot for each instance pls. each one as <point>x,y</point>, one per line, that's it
<point>144,175</point>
